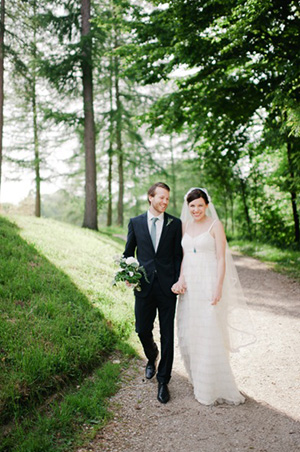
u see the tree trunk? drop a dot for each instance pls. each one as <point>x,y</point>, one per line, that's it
<point>36,154</point>
<point>90,211</point>
<point>246,210</point>
<point>226,213</point>
<point>109,204</point>
<point>120,220</point>
<point>232,213</point>
<point>293,193</point>
<point>1,82</point>
<point>173,173</point>
<point>255,202</point>
<point>110,150</point>
<point>35,129</point>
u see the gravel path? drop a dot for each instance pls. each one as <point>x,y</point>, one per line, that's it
<point>267,373</point>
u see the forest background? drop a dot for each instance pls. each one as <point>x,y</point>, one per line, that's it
<point>101,99</point>
<point>193,93</point>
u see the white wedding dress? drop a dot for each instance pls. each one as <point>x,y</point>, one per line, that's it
<point>202,331</point>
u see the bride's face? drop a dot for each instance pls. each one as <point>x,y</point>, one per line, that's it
<point>198,209</point>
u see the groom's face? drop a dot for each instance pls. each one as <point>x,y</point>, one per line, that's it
<point>159,202</point>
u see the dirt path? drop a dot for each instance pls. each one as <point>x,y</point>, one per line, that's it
<point>267,373</point>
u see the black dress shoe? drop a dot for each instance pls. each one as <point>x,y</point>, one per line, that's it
<point>150,370</point>
<point>163,393</point>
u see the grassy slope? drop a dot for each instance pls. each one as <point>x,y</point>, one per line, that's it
<point>87,257</point>
<point>59,317</point>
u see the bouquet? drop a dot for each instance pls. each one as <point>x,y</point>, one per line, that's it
<point>130,270</point>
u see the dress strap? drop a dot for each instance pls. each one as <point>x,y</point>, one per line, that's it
<point>212,225</point>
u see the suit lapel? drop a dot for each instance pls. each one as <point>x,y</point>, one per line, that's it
<point>145,229</point>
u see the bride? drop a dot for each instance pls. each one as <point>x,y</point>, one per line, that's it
<point>212,316</point>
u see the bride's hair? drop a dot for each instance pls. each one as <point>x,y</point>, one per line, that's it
<point>195,194</point>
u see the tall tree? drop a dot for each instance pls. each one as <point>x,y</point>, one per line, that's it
<point>122,101</point>
<point>2,18</point>
<point>110,149</point>
<point>90,212</point>
<point>35,117</point>
<point>293,190</point>
<point>22,57</point>
<point>119,146</point>
<point>69,53</point>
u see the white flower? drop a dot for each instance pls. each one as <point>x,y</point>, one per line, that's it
<point>131,260</point>
<point>130,269</point>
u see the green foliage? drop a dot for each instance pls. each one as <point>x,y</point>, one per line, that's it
<point>59,317</point>
<point>285,261</point>
<point>271,229</point>
<point>63,206</point>
<point>243,83</point>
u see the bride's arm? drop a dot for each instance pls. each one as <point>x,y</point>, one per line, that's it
<point>180,286</point>
<point>220,238</point>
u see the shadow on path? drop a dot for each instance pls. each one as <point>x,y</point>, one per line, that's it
<point>143,424</point>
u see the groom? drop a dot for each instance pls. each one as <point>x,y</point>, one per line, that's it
<point>156,237</point>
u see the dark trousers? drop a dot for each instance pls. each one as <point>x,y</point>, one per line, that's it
<point>145,313</point>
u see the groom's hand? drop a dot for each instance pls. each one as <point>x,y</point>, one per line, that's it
<point>128,284</point>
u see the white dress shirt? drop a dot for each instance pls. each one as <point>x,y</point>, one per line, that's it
<point>159,225</point>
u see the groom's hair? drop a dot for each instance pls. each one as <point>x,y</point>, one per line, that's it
<point>152,189</point>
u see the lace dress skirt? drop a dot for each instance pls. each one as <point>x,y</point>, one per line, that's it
<point>201,327</point>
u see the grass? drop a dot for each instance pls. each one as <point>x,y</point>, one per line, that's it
<point>70,421</point>
<point>285,261</point>
<point>60,320</point>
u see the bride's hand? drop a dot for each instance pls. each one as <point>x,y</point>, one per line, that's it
<point>179,287</point>
<point>175,288</point>
<point>217,297</point>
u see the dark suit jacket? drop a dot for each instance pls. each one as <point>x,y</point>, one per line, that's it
<point>166,261</point>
